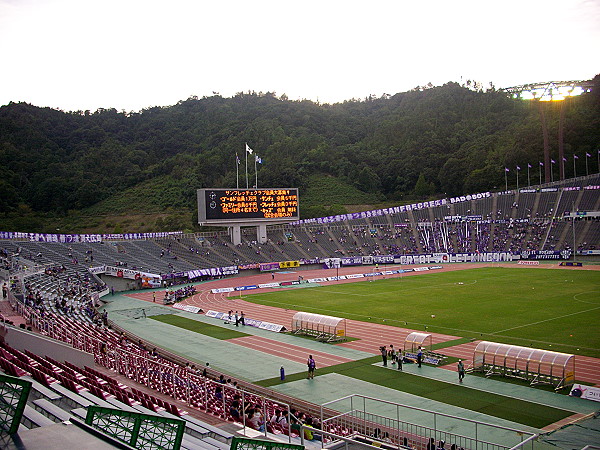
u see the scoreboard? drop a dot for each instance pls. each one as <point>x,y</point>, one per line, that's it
<point>247,205</point>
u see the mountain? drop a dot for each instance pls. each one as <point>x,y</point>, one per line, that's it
<point>446,140</point>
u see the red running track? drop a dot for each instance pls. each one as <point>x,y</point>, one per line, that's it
<point>288,351</point>
<point>370,335</point>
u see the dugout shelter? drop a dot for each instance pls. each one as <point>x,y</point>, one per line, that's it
<point>533,365</point>
<point>416,339</point>
<point>322,328</point>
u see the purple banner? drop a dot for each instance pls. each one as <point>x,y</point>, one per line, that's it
<point>212,272</point>
<point>352,261</point>
<point>268,267</point>
<point>132,236</point>
<point>394,210</point>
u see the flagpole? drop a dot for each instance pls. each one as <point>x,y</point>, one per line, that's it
<point>587,172</point>
<point>518,169</point>
<point>574,168</point>
<point>528,182</point>
<point>255,173</point>
<point>246,165</point>
<point>540,167</point>
<point>237,171</point>
<point>505,180</point>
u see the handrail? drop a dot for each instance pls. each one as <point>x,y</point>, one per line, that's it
<point>423,410</point>
<point>522,443</point>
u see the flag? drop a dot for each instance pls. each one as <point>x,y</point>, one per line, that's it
<point>588,155</point>
<point>541,163</point>
<point>564,159</point>
<point>258,159</point>
<point>552,161</point>
<point>506,169</point>
<point>575,157</point>
<point>237,159</point>
<point>529,165</point>
<point>518,168</point>
<point>248,149</point>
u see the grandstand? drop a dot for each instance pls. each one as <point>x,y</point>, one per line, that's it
<point>529,219</point>
<point>57,288</point>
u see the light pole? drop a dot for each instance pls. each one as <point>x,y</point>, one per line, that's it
<point>574,248</point>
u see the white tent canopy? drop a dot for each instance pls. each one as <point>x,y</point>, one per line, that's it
<point>317,319</point>
<point>415,339</point>
<point>322,327</point>
<point>535,365</point>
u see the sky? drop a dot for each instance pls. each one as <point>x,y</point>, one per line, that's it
<point>130,55</point>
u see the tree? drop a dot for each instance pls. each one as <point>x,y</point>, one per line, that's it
<point>423,189</point>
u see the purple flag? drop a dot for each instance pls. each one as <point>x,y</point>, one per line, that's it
<point>552,161</point>
<point>541,163</point>
<point>529,165</point>
<point>506,169</point>
<point>518,168</point>
<point>564,159</point>
<point>575,157</point>
<point>588,155</point>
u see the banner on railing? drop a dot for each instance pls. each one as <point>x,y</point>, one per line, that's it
<point>150,281</point>
<point>137,236</point>
<point>394,210</point>
<point>247,321</point>
<point>269,267</point>
<point>188,308</point>
<point>289,264</point>
<point>455,258</point>
<point>212,272</point>
<point>586,392</point>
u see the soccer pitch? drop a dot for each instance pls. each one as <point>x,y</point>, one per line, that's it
<point>553,309</point>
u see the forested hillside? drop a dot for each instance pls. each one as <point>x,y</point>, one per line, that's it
<point>444,140</point>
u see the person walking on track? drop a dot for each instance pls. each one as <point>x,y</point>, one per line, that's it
<point>311,367</point>
<point>461,371</point>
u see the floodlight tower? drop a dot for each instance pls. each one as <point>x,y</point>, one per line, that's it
<point>551,91</point>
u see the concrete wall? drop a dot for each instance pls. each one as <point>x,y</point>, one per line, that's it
<point>24,340</point>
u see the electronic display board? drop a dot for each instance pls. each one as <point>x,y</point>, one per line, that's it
<point>248,205</point>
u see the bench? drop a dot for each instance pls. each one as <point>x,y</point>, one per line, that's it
<point>36,418</point>
<point>144,410</point>
<point>120,405</point>
<point>190,426</point>
<point>50,408</point>
<point>95,400</point>
<point>218,444</point>
<point>215,431</point>
<point>212,430</point>
<point>192,443</point>
<point>80,412</point>
<point>42,391</point>
<point>71,397</point>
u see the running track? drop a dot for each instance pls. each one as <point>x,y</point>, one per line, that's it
<point>370,335</point>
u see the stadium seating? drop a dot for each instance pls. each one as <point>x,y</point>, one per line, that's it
<point>59,300</point>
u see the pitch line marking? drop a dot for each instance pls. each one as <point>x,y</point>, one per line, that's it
<point>583,301</point>
<point>545,320</point>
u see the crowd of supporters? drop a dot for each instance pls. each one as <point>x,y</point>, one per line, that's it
<point>174,296</point>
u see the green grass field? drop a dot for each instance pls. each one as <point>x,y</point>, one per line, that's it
<point>552,309</point>
<point>527,413</point>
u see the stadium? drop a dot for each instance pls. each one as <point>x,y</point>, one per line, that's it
<point>173,340</point>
